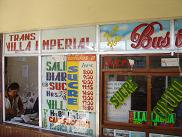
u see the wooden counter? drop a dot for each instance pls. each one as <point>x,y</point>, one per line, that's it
<point>11,130</point>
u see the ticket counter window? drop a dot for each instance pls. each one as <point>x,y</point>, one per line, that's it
<point>21,90</point>
<point>141,91</point>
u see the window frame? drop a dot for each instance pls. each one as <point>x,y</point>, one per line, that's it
<point>148,72</point>
<point>4,89</point>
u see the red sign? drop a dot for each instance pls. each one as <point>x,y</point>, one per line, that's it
<point>146,40</point>
<point>178,41</point>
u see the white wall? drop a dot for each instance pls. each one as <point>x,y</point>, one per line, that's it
<point>22,15</point>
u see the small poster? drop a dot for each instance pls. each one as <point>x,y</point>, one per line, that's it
<point>121,133</point>
<point>25,71</point>
<point>108,132</point>
<point>170,62</point>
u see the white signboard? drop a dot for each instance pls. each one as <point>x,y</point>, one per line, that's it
<point>170,62</point>
<point>69,40</point>
<point>22,42</point>
<point>121,133</point>
<point>139,37</point>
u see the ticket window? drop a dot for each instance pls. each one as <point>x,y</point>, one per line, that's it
<point>21,90</point>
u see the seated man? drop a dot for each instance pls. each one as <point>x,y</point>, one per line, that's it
<point>13,102</point>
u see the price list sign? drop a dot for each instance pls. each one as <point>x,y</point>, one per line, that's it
<point>81,82</point>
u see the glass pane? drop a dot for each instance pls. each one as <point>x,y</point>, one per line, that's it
<point>68,93</point>
<point>166,101</point>
<point>118,62</point>
<point>125,96</point>
<point>21,84</point>
<point>166,61</point>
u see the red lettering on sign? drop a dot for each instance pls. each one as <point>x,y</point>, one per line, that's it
<point>145,39</point>
<point>22,37</point>
<point>57,86</point>
<point>114,63</point>
<point>67,43</point>
<point>178,41</point>
<point>20,46</point>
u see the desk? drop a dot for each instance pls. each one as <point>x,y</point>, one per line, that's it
<point>31,119</point>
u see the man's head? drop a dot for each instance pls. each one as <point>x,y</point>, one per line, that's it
<point>12,89</point>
